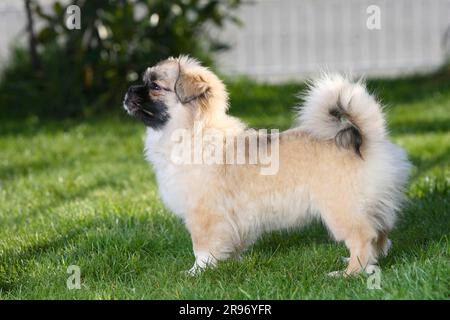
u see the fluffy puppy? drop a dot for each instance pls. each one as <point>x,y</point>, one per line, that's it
<point>336,164</point>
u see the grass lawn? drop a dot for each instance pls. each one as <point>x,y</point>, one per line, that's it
<point>78,192</point>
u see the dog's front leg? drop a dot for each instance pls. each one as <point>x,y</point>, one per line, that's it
<point>212,238</point>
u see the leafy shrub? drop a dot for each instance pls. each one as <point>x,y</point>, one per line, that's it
<point>88,70</point>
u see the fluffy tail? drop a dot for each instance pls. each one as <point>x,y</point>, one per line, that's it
<point>336,109</point>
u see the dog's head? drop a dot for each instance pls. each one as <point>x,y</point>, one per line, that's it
<point>174,88</point>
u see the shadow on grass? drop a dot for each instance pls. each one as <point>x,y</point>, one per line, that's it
<point>424,165</point>
<point>423,222</point>
<point>420,126</point>
<point>411,89</point>
<point>33,125</point>
<point>21,169</point>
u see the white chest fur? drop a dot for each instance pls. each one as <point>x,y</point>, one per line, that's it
<point>173,179</point>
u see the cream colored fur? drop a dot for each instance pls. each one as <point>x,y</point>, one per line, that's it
<point>227,207</point>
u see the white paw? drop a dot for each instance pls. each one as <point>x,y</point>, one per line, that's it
<point>194,271</point>
<point>337,274</point>
<point>203,260</point>
<point>345,259</point>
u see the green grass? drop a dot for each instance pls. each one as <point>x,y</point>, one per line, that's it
<point>78,192</point>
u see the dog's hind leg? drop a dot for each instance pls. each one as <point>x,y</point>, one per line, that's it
<point>383,244</point>
<point>360,243</point>
<point>358,235</point>
<point>362,251</point>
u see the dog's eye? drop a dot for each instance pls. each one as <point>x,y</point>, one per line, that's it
<point>154,86</point>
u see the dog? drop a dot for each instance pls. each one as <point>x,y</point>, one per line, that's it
<point>336,164</point>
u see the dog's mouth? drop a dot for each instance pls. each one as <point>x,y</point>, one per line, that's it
<point>135,106</point>
<point>149,113</point>
<point>140,112</point>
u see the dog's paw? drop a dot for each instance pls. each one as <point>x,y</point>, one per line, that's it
<point>203,260</point>
<point>196,270</point>
<point>192,272</point>
<point>337,274</point>
<point>369,269</point>
<point>345,259</point>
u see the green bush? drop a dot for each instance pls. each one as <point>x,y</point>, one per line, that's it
<point>87,70</point>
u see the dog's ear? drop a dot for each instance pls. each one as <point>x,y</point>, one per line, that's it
<point>190,86</point>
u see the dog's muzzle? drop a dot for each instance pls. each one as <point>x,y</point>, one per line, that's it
<point>124,103</point>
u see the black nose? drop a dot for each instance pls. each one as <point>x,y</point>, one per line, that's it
<point>137,90</point>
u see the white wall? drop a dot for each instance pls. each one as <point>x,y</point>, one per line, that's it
<point>13,25</point>
<point>292,39</point>
<point>289,39</point>
<point>12,19</point>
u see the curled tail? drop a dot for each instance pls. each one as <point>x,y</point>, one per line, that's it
<point>336,109</point>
